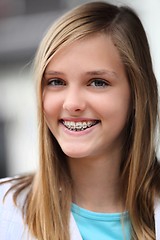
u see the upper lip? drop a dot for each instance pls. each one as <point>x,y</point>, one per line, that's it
<point>79,119</point>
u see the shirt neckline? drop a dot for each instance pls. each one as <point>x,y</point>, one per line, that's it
<point>96,215</point>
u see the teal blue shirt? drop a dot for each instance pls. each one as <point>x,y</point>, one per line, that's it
<point>101,226</point>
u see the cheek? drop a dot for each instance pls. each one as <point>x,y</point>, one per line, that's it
<point>50,106</point>
<point>50,109</point>
<point>51,100</point>
<point>117,107</point>
<point>122,111</point>
<point>47,106</point>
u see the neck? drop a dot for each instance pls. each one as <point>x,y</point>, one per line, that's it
<point>97,184</point>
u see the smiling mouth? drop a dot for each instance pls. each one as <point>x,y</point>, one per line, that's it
<point>79,126</point>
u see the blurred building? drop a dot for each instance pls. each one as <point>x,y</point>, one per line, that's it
<point>22,26</point>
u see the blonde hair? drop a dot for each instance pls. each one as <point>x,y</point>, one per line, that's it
<point>48,202</point>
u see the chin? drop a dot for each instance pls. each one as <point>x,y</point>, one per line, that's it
<point>74,153</point>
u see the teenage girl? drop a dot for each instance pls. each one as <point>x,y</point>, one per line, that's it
<point>98,175</point>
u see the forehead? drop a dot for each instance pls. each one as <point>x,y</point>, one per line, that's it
<point>97,49</point>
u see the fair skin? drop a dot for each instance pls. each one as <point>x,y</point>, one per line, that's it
<point>86,104</point>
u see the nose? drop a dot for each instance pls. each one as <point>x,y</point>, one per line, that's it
<point>74,101</point>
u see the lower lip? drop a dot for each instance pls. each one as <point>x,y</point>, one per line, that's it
<point>78,133</point>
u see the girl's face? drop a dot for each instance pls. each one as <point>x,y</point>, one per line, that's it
<point>86,98</point>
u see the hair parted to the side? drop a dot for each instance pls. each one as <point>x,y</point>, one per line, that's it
<point>48,203</point>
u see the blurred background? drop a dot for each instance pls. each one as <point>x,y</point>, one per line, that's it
<point>22,26</point>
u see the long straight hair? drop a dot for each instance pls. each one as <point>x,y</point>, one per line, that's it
<point>48,203</point>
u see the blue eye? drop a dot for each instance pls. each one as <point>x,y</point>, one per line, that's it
<point>99,83</point>
<point>56,82</point>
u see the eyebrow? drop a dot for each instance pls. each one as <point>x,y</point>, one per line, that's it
<point>90,73</point>
<point>102,72</point>
<point>56,73</point>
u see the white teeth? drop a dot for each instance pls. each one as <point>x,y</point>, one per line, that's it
<point>85,125</point>
<point>89,124</point>
<point>78,126</point>
<point>72,125</point>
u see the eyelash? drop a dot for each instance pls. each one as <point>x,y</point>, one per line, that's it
<point>56,82</point>
<point>96,83</point>
<point>101,83</point>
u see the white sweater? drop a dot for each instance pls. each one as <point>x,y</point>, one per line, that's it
<point>12,226</point>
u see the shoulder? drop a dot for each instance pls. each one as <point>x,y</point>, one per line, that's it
<point>11,217</point>
<point>7,192</point>
<point>5,185</point>
<point>6,200</point>
<point>157,217</point>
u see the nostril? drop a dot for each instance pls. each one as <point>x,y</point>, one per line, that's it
<point>74,106</point>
